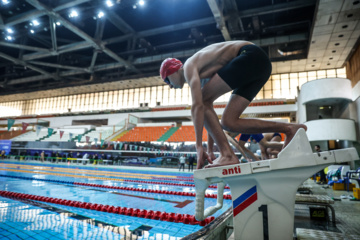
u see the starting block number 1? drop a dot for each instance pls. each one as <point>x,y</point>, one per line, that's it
<point>264,210</point>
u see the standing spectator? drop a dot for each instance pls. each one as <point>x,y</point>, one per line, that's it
<point>42,156</point>
<point>182,162</point>
<point>191,162</point>
<point>2,154</point>
<point>321,173</point>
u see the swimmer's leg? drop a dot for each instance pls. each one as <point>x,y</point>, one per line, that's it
<point>231,121</point>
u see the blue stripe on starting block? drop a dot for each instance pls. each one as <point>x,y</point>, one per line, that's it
<point>244,196</point>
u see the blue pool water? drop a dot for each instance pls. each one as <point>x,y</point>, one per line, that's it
<point>31,219</point>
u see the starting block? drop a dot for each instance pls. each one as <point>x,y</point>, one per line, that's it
<point>263,192</point>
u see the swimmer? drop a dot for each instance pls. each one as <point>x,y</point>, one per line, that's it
<point>269,143</point>
<point>240,66</point>
<point>246,153</point>
<point>240,145</point>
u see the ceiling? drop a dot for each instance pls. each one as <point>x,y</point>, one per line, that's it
<point>127,44</point>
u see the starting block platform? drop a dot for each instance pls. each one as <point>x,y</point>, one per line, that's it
<point>264,192</point>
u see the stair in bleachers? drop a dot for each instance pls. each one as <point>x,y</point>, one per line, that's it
<point>168,134</point>
<point>116,138</point>
<point>46,136</point>
<point>186,134</point>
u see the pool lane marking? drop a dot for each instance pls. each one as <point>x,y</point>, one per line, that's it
<point>96,172</point>
<point>64,175</point>
<point>179,204</point>
<point>107,226</point>
<point>75,171</point>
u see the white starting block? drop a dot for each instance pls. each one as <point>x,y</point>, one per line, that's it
<point>263,193</point>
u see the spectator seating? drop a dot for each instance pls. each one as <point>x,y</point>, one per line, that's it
<point>9,135</point>
<point>31,136</point>
<point>144,133</point>
<point>186,134</point>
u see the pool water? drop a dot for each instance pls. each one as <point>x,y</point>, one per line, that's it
<point>26,218</point>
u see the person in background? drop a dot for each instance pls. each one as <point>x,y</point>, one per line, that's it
<point>321,173</point>
<point>191,162</point>
<point>182,162</point>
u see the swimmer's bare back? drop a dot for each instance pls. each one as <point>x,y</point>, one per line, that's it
<point>210,59</point>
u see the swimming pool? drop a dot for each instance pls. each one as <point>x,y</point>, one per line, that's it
<point>43,201</point>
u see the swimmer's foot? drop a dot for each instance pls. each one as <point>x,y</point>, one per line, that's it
<point>290,135</point>
<point>223,161</point>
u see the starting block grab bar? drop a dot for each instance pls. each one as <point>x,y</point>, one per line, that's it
<point>263,193</point>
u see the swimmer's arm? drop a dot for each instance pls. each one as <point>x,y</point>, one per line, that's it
<point>268,144</point>
<point>248,152</point>
<point>197,108</point>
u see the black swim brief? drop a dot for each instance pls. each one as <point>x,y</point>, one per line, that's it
<point>247,73</point>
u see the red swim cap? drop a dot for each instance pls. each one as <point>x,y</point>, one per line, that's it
<point>169,66</point>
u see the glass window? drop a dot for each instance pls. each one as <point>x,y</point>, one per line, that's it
<point>312,75</point>
<point>121,99</point>
<point>321,74</point>
<point>159,95</point>
<point>142,95</point>
<point>268,94</point>
<point>178,93</point>
<point>260,94</point>
<point>165,99</point>
<point>100,101</point>
<point>341,72</point>
<point>172,97</point>
<point>126,98</point>
<point>268,84</point>
<point>153,97</point>
<point>96,101</point>
<point>131,99</point>
<point>185,94</point>
<point>90,101</point>
<point>137,97</point>
<point>331,73</point>
<point>147,95</point>
<point>105,100</point>
<point>302,78</point>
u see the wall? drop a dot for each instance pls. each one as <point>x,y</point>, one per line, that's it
<point>353,67</point>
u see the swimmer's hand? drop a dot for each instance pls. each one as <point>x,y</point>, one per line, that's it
<point>212,155</point>
<point>201,157</point>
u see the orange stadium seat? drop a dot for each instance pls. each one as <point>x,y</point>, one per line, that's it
<point>186,134</point>
<point>139,134</point>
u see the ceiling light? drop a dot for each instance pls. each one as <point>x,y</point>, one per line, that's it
<point>109,3</point>
<point>73,14</point>
<point>32,31</point>
<point>100,14</point>
<point>9,38</point>
<point>35,23</point>
<point>134,6</point>
<point>9,30</point>
<point>141,3</point>
<point>58,23</point>
<point>5,2</point>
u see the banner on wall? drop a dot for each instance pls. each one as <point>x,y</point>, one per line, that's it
<point>50,131</point>
<point>70,136</point>
<point>87,139</point>
<point>5,145</point>
<point>38,129</point>
<point>61,134</point>
<point>79,138</point>
<point>10,123</point>
<point>102,142</point>
<point>95,140</point>
<point>24,126</point>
